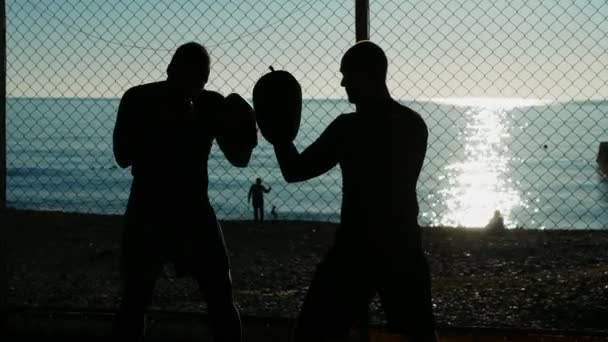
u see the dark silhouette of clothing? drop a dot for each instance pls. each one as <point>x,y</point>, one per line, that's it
<point>256,197</point>
<point>166,138</point>
<point>377,247</point>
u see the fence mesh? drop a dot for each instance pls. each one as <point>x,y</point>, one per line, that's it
<point>514,94</point>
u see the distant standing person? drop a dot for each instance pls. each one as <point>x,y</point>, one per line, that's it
<point>380,149</point>
<point>256,198</point>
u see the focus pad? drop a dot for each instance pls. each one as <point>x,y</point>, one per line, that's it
<point>277,100</point>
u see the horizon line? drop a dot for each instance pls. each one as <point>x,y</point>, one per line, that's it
<point>450,100</point>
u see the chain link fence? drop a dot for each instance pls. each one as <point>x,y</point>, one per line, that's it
<point>514,94</point>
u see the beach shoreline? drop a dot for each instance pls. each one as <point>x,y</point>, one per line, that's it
<point>535,279</point>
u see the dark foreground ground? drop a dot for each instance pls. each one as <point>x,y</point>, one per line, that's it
<point>519,279</point>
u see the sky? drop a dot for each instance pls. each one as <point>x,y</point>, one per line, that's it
<point>554,50</point>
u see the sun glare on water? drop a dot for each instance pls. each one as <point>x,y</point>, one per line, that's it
<point>480,182</point>
<point>506,103</point>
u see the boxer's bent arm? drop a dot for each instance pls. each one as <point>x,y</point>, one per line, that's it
<point>123,132</point>
<point>318,158</point>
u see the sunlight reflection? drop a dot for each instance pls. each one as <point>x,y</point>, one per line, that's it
<point>480,183</point>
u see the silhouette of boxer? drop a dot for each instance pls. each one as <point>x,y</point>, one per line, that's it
<point>377,247</point>
<point>164,132</point>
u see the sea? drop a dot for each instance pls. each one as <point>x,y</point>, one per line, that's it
<point>533,160</point>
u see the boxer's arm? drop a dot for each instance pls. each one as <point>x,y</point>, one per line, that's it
<point>318,158</point>
<point>123,132</point>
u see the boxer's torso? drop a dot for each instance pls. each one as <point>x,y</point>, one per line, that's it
<point>173,138</point>
<point>381,155</point>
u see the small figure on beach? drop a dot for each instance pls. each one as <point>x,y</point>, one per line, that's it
<point>497,222</point>
<point>256,198</point>
<point>377,248</point>
<point>602,159</point>
<point>164,132</point>
<point>274,213</point>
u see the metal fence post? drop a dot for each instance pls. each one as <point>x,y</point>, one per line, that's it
<point>3,234</point>
<point>362,19</point>
<point>2,106</point>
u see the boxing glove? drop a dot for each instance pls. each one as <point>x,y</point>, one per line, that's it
<point>236,130</point>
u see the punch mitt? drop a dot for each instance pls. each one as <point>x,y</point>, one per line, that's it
<point>236,131</point>
<point>277,100</point>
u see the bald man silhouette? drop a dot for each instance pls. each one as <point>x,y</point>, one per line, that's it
<point>164,132</point>
<point>377,248</point>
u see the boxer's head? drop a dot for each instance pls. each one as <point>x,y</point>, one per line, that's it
<point>363,71</point>
<point>189,68</point>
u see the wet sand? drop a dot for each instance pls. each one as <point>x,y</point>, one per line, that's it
<point>551,279</point>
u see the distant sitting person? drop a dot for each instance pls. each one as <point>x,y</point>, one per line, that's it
<point>380,149</point>
<point>274,213</point>
<point>164,131</point>
<point>256,198</point>
<point>497,222</point>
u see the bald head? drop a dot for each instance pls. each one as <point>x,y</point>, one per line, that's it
<point>189,67</point>
<point>364,68</point>
<point>366,57</point>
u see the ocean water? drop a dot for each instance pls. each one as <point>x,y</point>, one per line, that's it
<point>532,160</point>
